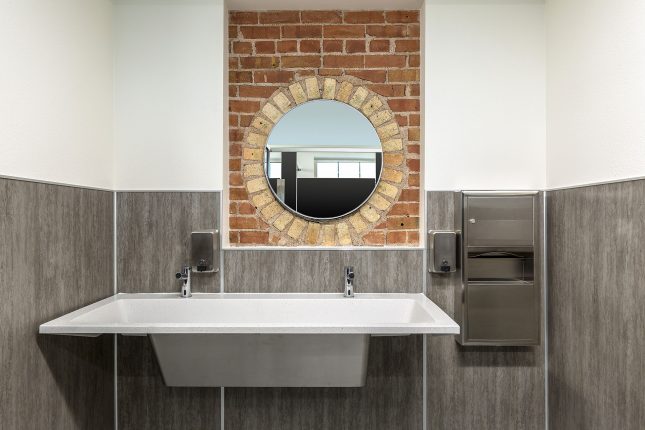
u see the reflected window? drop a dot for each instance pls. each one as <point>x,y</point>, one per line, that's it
<point>346,169</point>
<point>275,170</point>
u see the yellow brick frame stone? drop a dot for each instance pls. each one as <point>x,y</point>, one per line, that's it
<point>287,228</point>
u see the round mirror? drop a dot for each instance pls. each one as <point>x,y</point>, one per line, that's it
<point>323,159</point>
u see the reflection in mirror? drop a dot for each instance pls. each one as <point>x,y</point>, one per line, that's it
<point>323,159</point>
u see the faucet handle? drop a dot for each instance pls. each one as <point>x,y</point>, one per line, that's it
<point>185,270</point>
<point>349,272</point>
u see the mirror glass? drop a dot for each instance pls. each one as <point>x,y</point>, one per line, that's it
<point>323,159</point>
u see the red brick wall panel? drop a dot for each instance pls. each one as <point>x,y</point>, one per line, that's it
<point>269,50</point>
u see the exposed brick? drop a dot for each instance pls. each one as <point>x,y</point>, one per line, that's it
<point>402,223</point>
<point>414,133</point>
<point>301,31</point>
<point>385,61</point>
<point>235,135</point>
<point>290,62</point>
<point>260,52</point>
<point>321,16</point>
<point>374,238</point>
<point>404,209</point>
<point>232,32</point>
<point>406,46</point>
<point>402,16</point>
<point>396,237</point>
<point>300,74</point>
<point>354,46</point>
<point>402,120</point>
<point>350,61</point>
<point>364,17</point>
<point>387,90</point>
<point>242,47</point>
<point>287,46</point>
<point>259,62</point>
<point>370,75</point>
<point>235,179</point>
<point>310,46</point>
<point>238,194</point>
<point>344,31</point>
<point>245,120</point>
<point>256,91</point>
<point>235,77</point>
<point>245,208</point>
<point>404,105</point>
<point>254,237</point>
<point>243,222</point>
<point>234,164</point>
<point>234,149</point>
<point>243,106</point>
<point>409,195</point>
<point>403,75</point>
<point>380,45</point>
<point>414,30</point>
<point>233,237</point>
<point>330,72</point>
<point>387,30</point>
<point>280,17</point>
<point>414,164</point>
<point>259,32</point>
<point>265,47</point>
<point>240,17</point>
<point>333,45</point>
<point>413,237</point>
<point>272,76</point>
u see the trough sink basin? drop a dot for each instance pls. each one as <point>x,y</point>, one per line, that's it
<point>259,340</point>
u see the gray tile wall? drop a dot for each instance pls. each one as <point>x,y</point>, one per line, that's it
<point>392,397</point>
<point>55,256</point>
<point>153,238</point>
<point>477,388</point>
<point>596,246</point>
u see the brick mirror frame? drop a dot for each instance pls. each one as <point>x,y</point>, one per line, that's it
<point>287,228</point>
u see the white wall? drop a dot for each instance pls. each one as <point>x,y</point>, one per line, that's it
<point>169,90</point>
<point>56,91</point>
<point>484,103</point>
<point>595,91</point>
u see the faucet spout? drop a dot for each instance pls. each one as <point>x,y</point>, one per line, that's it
<point>184,276</point>
<point>349,281</point>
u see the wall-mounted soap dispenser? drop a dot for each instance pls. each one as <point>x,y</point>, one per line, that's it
<point>204,251</point>
<point>442,251</point>
<point>497,301</point>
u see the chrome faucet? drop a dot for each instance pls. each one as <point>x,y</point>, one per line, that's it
<point>184,275</point>
<point>349,281</point>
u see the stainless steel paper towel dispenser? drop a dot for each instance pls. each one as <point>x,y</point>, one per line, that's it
<point>497,301</point>
<point>204,251</point>
<point>442,255</point>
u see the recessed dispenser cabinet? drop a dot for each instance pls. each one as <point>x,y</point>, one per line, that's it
<point>497,301</point>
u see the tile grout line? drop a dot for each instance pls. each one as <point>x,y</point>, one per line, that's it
<point>545,283</point>
<point>221,290</point>
<point>115,290</point>
<point>424,289</point>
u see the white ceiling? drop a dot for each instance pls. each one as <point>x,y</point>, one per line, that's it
<point>323,4</point>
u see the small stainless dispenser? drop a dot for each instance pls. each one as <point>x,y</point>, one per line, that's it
<point>498,299</point>
<point>204,251</point>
